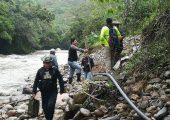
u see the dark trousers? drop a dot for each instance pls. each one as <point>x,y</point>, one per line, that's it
<point>48,103</point>
<point>115,55</point>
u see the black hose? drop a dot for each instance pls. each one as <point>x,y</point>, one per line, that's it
<point>125,96</point>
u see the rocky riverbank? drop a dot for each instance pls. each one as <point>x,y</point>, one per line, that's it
<point>99,99</point>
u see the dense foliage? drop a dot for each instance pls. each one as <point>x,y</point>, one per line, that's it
<point>27,25</point>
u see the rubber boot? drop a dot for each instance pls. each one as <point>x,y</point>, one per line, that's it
<point>70,80</point>
<point>78,77</point>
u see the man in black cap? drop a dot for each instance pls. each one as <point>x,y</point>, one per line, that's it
<point>46,81</point>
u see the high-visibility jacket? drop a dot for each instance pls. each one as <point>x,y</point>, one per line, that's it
<point>117,32</point>
<point>104,36</point>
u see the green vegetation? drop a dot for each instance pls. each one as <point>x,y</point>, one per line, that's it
<point>154,56</point>
<point>27,25</point>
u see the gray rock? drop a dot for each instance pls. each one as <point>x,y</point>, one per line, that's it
<point>155,94</point>
<point>161,113</point>
<point>167,74</point>
<point>168,81</point>
<point>168,104</point>
<point>144,104</point>
<point>11,113</point>
<point>12,118</point>
<point>154,80</point>
<point>157,103</point>
<point>27,90</point>
<point>85,112</point>
<point>112,118</point>
<point>167,118</point>
<point>167,91</point>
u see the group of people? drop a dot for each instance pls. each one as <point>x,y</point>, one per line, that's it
<point>46,77</point>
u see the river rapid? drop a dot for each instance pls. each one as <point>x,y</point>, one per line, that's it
<point>15,70</point>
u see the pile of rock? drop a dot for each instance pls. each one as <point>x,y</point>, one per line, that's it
<point>152,97</point>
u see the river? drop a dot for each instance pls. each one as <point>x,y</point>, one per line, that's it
<point>15,69</point>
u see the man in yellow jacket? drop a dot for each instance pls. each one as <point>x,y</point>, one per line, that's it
<point>111,36</point>
<point>104,35</point>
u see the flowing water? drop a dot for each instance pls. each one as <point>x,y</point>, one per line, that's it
<point>15,69</point>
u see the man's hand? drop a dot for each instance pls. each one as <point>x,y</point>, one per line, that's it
<point>85,50</point>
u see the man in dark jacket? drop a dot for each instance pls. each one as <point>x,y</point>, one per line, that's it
<point>54,57</point>
<point>46,81</point>
<point>87,63</point>
<point>72,60</point>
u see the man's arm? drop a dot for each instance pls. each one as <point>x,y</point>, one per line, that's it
<point>78,49</point>
<point>61,83</point>
<point>55,61</point>
<point>35,85</point>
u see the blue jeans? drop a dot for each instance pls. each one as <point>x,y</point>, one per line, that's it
<point>48,103</point>
<point>74,66</point>
<point>87,75</point>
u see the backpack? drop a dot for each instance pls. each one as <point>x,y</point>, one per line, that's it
<point>113,38</point>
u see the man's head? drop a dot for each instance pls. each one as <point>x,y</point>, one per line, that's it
<point>52,51</point>
<point>109,21</point>
<point>73,41</point>
<point>47,61</point>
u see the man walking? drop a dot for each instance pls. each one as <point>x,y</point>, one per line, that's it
<point>72,60</point>
<point>54,58</point>
<point>46,81</point>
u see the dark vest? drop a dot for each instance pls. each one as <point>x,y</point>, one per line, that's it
<point>72,54</point>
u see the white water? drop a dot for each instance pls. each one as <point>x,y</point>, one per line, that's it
<point>14,69</point>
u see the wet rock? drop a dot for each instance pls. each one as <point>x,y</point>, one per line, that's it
<point>161,113</point>
<point>155,80</point>
<point>85,112</point>
<point>11,113</point>
<point>167,74</point>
